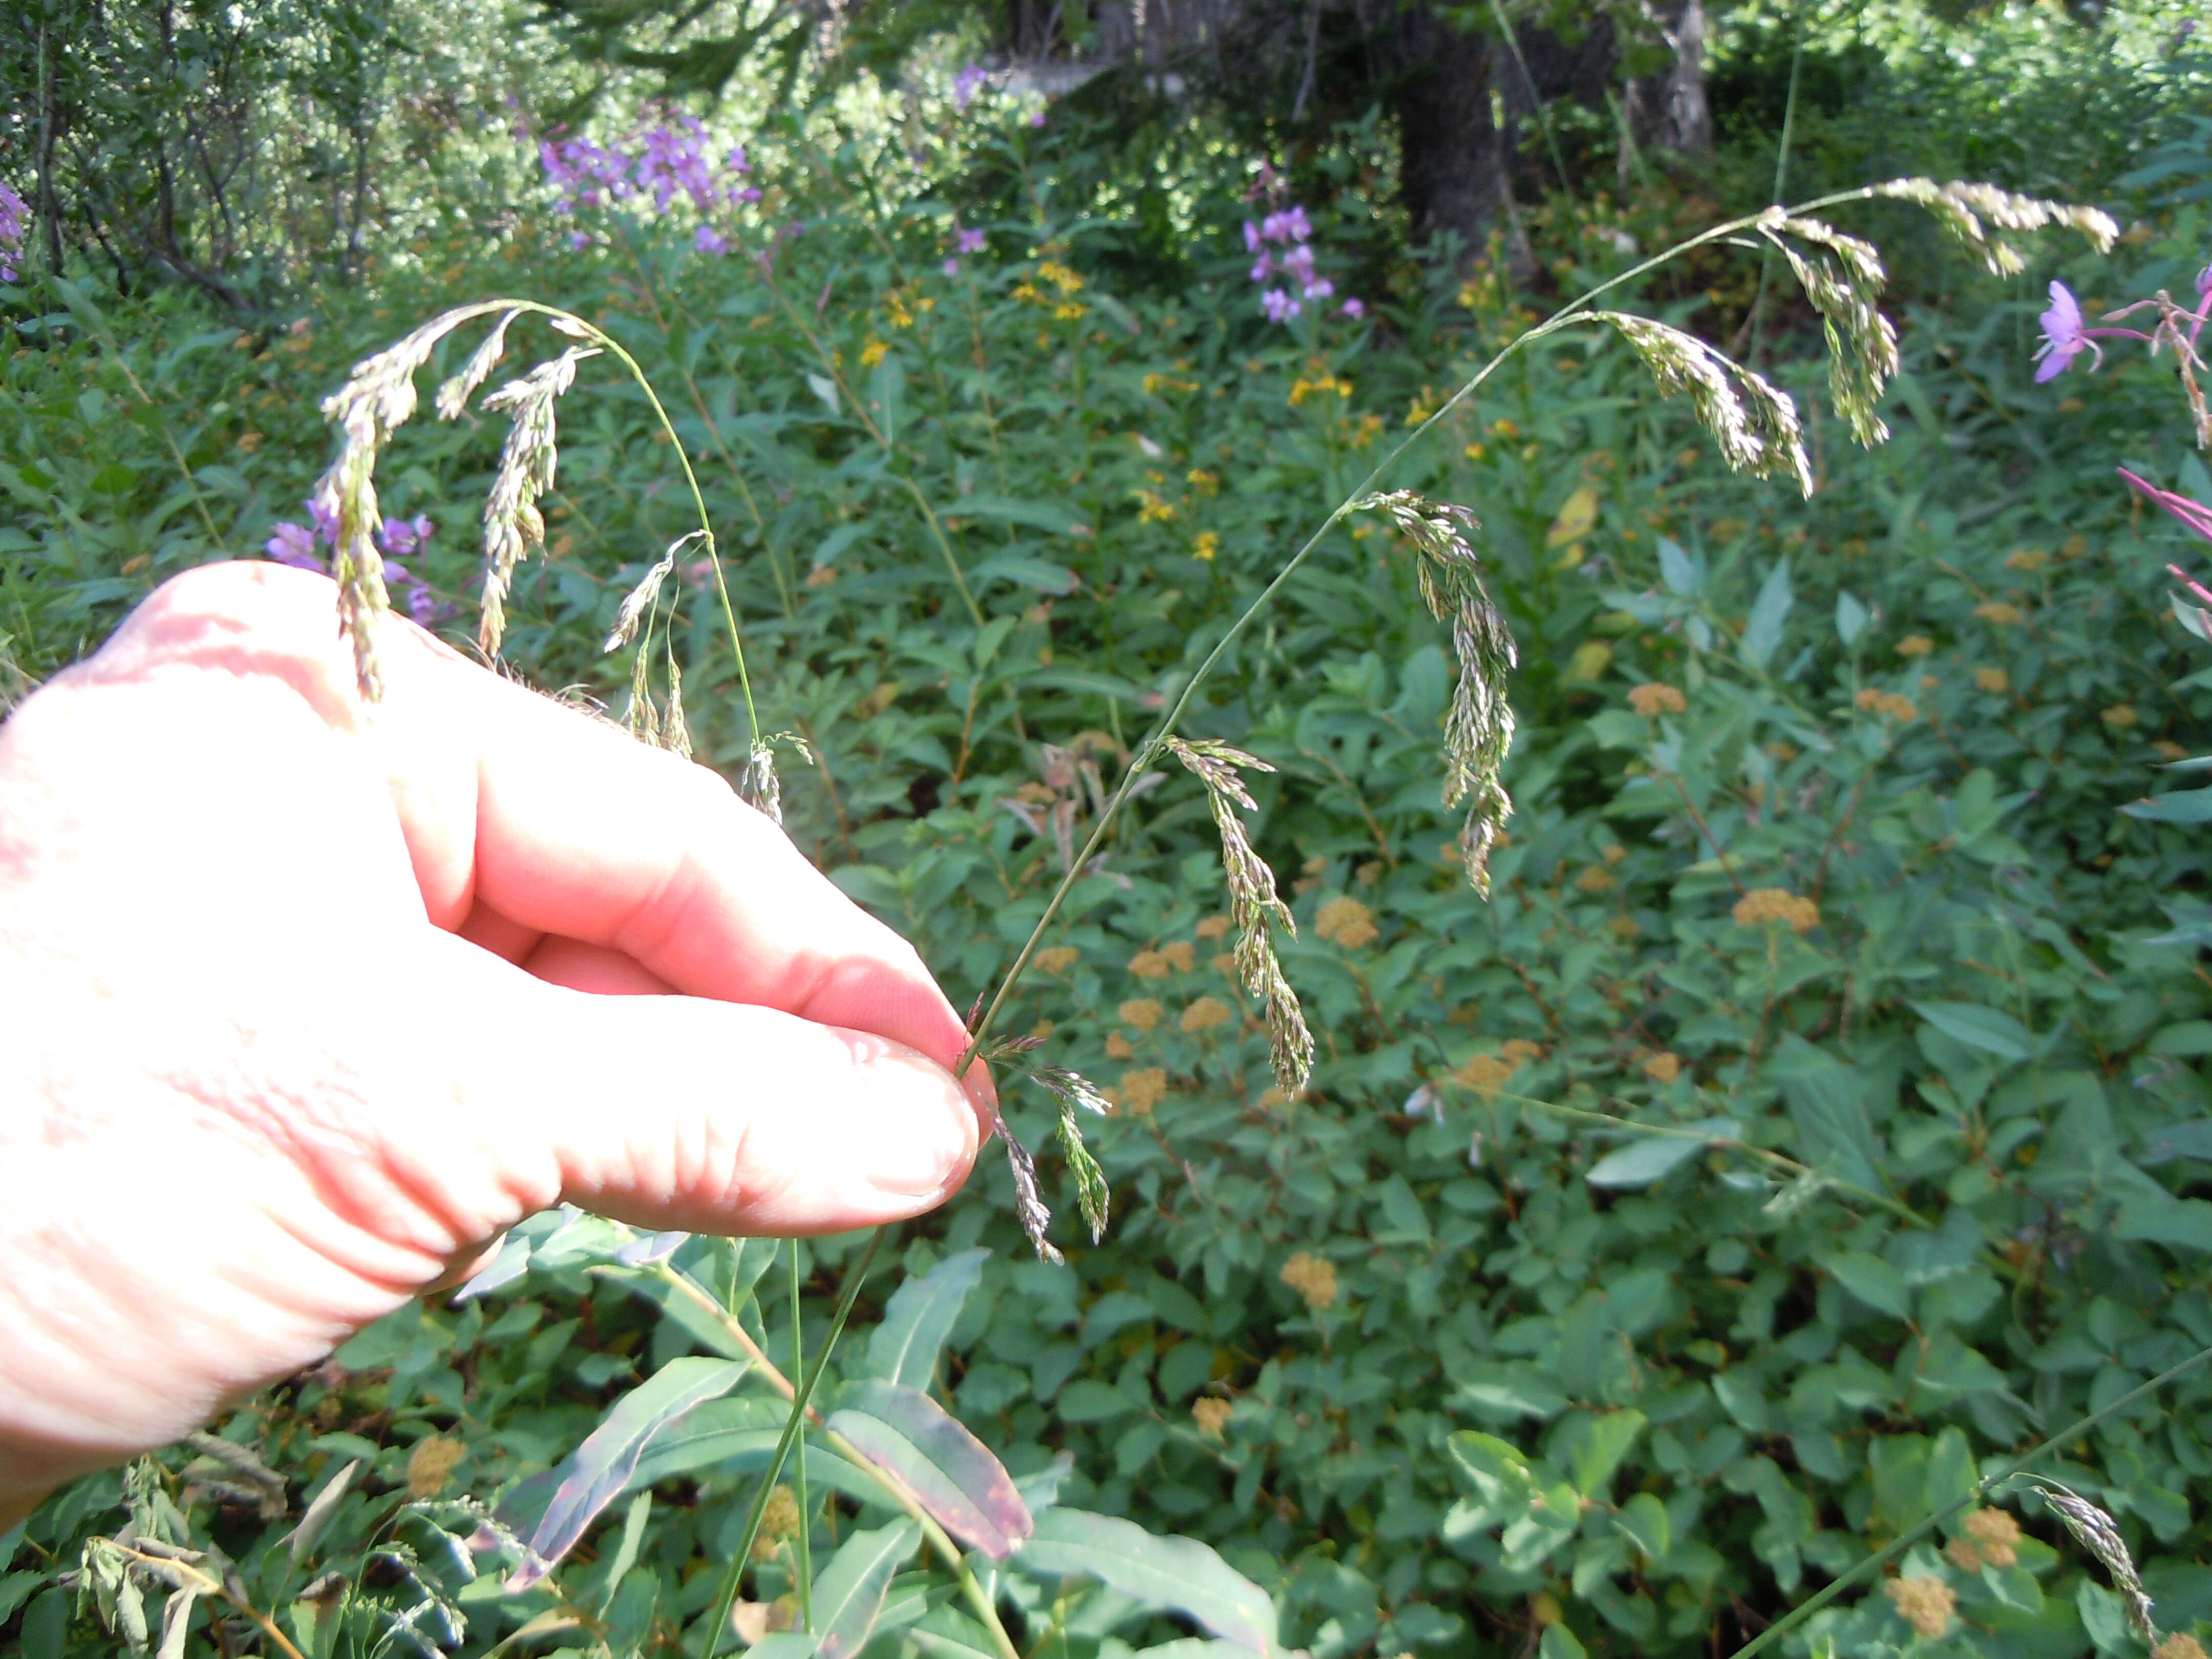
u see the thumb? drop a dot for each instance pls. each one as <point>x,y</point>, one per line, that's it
<point>676,1112</point>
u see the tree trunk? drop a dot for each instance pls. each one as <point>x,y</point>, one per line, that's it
<point>1451,156</point>
<point>1668,111</point>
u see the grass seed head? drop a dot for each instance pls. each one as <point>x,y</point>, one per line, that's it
<point>2096,1532</point>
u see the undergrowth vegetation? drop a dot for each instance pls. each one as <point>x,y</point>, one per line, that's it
<point>1818,867</point>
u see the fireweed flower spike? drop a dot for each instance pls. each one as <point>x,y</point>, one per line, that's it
<point>2063,337</point>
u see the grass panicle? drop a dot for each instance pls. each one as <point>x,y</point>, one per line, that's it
<point>1753,421</point>
<point>2096,1532</point>
<point>1478,730</point>
<point>1843,278</point>
<point>1254,908</point>
<point>513,525</point>
<point>1967,210</point>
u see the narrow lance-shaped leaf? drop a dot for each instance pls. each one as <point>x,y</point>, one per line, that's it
<point>919,1317</point>
<point>597,1471</point>
<point>849,1594</point>
<point>1180,1574</point>
<point>951,1472</point>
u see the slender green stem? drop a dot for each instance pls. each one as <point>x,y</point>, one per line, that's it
<point>806,1545</point>
<point>1567,316</point>
<point>1536,98</point>
<point>1781,171</point>
<point>726,1597</point>
<point>1983,1489</point>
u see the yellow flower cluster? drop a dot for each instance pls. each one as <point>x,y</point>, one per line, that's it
<point>1213,927</point>
<point>779,1521</point>
<point>2179,1645</point>
<point>1205,483</point>
<point>1303,388</point>
<point>1992,1535</point>
<point>896,309</point>
<point>1890,703</point>
<point>1142,1012</point>
<point>1764,905</point>
<point>1915,645</point>
<point>1211,1415</point>
<point>1204,1014</point>
<point>1179,956</point>
<point>1993,679</point>
<point>1997,611</point>
<point>1595,879</point>
<point>1312,1277</point>
<point>1155,383</point>
<point>1924,1601</point>
<point>1652,699</point>
<point>1140,1091</point>
<point>1205,545</point>
<point>1348,921</point>
<point>1151,509</point>
<point>1056,958</point>
<point>2119,717</point>
<point>1663,1067</point>
<point>430,1463</point>
<point>2027,558</point>
<point>872,353</point>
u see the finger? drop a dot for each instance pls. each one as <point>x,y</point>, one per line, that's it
<point>583,833</point>
<point>680,1112</point>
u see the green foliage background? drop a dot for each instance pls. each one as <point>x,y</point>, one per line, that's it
<point>1557,1387</point>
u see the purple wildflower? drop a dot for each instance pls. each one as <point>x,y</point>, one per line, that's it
<point>708,239</point>
<point>324,513</point>
<point>1319,289</point>
<point>951,267</point>
<point>1353,307</point>
<point>966,84</point>
<point>2063,337</point>
<point>1279,305</point>
<point>1251,237</point>
<point>1037,119</point>
<point>1300,263</point>
<point>750,193</point>
<point>578,240</point>
<point>735,162</point>
<point>972,241</point>
<point>293,545</point>
<point>15,219</point>
<point>1262,268</point>
<point>401,538</point>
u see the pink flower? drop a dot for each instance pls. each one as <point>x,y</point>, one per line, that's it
<point>1251,237</point>
<point>951,267</point>
<point>966,84</point>
<point>971,241</point>
<point>708,239</point>
<point>2064,338</point>
<point>1279,305</point>
<point>401,538</point>
<point>2195,514</point>
<point>1353,307</point>
<point>1262,268</point>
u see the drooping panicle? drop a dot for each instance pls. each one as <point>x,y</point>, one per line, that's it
<point>639,600</point>
<point>1961,208</point>
<point>2096,1532</point>
<point>513,525</point>
<point>1478,729</point>
<point>1254,908</point>
<point>1843,277</point>
<point>1069,1090</point>
<point>1752,421</point>
<point>758,787</point>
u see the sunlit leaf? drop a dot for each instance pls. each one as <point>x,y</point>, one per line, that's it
<point>948,1469</point>
<point>1177,1573</point>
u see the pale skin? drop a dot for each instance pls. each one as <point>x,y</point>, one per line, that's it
<point>304,1004</point>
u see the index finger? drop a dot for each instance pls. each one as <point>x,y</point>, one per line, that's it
<point>578,829</point>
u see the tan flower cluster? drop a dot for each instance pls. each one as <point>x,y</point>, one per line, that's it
<point>1117,1046</point>
<point>1663,1067</point>
<point>1613,852</point>
<point>1142,1012</point>
<point>1348,921</point>
<point>1924,1601</point>
<point>1595,879</point>
<point>2027,558</point>
<point>779,1521</point>
<point>1993,679</point>
<point>1995,1533</point>
<point>1764,904</point>
<point>1213,927</point>
<point>1915,645</point>
<point>1896,706</point>
<point>1056,958</point>
<point>2179,1645</point>
<point>1178,957</point>
<point>2119,717</point>
<point>430,1463</point>
<point>1141,1089</point>
<point>1211,1415</point>
<point>1204,1014</point>
<point>1652,699</point>
<point>1997,611</point>
<point>1484,1074</point>
<point>1311,1277</point>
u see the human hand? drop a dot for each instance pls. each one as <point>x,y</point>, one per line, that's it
<point>307,1003</point>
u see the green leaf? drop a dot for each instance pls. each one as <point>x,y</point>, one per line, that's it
<point>1649,1159</point>
<point>1990,1029</point>
<point>1599,1452</point>
<point>850,1593</point>
<point>1038,515</point>
<point>2186,1222</point>
<point>904,1348</point>
<point>1180,1574</point>
<point>887,395</point>
<point>1560,1642</point>
<point>2183,806</point>
<point>598,1471</point>
<point>1643,1521</point>
<point>1851,618</point>
<point>951,1472</point>
<point>1762,632</point>
<point>948,1633</point>
<point>1025,572</point>
<point>1873,1281</point>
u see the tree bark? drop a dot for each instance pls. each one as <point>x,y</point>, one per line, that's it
<point>1668,111</point>
<point>1451,156</point>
